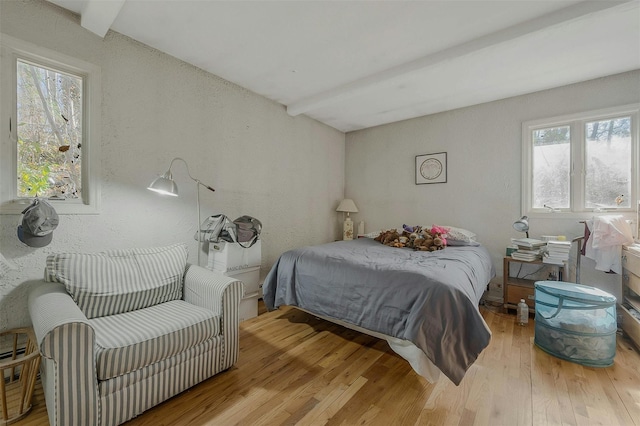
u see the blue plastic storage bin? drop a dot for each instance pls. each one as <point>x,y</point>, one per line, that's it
<point>576,322</point>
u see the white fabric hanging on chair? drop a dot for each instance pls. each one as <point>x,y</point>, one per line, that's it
<point>608,235</point>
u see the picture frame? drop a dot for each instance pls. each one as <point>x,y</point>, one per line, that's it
<point>431,168</point>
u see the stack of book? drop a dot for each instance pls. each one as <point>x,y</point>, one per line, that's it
<point>529,249</point>
<point>557,252</point>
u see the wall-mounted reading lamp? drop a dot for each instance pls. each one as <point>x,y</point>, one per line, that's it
<point>522,225</point>
<point>167,186</point>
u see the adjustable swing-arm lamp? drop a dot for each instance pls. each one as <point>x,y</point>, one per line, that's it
<point>166,185</point>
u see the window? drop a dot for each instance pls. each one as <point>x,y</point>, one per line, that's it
<point>50,119</point>
<point>581,163</point>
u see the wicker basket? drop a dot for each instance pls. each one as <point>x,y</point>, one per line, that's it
<point>18,375</point>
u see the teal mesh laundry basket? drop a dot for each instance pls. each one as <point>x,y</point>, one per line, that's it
<point>576,322</point>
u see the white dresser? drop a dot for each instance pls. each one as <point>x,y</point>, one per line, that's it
<point>631,292</point>
<point>233,260</point>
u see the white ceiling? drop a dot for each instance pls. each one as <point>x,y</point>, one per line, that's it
<point>358,64</point>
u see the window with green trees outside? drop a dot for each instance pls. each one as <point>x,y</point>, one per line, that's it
<point>50,114</point>
<point>49,131</point>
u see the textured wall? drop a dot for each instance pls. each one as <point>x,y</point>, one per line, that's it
<point>483,145</point>
<point>286,171</point>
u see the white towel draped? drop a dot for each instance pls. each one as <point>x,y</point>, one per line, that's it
<point>608,235</point>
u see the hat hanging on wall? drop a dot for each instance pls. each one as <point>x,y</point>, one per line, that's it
<point>38,222</point>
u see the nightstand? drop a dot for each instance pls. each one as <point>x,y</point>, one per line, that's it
<point>514,289</point>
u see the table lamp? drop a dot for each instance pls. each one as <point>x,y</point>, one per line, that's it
<point>347,206</point>
<point>522,225</point>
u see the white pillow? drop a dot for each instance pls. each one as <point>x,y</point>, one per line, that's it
<point>372,234</point>
<point>461,243</point>
<point>460,234</point>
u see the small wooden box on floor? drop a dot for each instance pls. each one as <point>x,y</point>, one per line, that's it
<point>18,375</point>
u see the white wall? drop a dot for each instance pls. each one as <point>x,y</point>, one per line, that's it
<point>286,171</point>
<point>483,145</point>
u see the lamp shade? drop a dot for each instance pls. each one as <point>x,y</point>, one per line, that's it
<point>348,206</point>
<point>522,225</point>
<point>164,185</point>
<point>167,186</point>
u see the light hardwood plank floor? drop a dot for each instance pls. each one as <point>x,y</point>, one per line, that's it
<point>295,369</point>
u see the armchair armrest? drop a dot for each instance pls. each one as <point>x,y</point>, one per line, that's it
<point>222,295</point>
<point>208,289</point>
<point>67,344</point>
<point>50,307</point>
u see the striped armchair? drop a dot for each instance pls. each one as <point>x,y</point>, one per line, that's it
<point>119,332</point>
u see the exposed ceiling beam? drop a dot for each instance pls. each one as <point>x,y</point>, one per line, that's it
<point>98,15</point>
<point>362,85</point>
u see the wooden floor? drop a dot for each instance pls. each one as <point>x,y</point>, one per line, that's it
<point>295,369</point>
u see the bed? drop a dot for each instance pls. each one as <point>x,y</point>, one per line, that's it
<point>425,304</point>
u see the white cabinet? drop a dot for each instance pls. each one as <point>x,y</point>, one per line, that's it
<point>233,260</point>
<point>631,293</point>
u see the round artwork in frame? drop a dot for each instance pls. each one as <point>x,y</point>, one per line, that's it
<point>431,168</point>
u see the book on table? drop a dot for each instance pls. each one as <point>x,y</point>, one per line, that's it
<point>553,260</point>
<point>527,257</point>
<point>559,246</point>
<point>528,242</point>
<point>557,252</point>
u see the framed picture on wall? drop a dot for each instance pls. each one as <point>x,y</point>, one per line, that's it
<point>431,168</point>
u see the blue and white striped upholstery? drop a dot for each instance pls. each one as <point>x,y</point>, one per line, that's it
<point>119,281</point>
<point>132,340</point>
<point>107,370</point>
<point>127,396</point>
<point>67,345</point>
<point>215,293</point>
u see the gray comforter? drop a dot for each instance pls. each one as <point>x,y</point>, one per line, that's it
<point>428,298</point>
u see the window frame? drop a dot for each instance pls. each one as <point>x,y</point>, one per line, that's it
<point>12,49</point>
<point>576,123</point>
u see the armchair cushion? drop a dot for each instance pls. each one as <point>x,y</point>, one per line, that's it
<point>129,341</point>
<point>118,281</point>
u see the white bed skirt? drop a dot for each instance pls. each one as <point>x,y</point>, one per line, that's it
<point>407,350</point>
